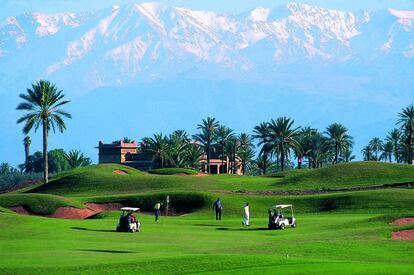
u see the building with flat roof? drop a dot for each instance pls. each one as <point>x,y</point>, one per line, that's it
<point>131,154</point>
<point>126,153</point>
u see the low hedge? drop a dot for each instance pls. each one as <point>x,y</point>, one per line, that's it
<point>181,202</point>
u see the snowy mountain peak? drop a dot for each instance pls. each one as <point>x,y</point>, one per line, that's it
<point>259,14</point>
<point>153,40</point>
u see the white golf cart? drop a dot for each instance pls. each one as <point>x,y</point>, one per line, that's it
<point>277,220</point>
<point>128,222</point>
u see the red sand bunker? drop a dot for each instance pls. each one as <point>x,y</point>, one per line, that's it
<point>20,210</point>
<point>119,172</point>
<point>403,221</point>
<point>72,213</point>
<point>403,235</point>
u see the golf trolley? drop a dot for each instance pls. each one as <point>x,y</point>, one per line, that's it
<point>128,222</point>
<point>277,220</point>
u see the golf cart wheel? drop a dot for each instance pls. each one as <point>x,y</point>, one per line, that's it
<point>294,225</point>
<point>282,226</point>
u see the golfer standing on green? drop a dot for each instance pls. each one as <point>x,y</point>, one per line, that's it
<point>157,210</point>
<point>219,208</point>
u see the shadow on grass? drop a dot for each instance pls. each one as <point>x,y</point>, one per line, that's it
<point>96,230</point>
<point>106,251</point>
<point>243,229</point>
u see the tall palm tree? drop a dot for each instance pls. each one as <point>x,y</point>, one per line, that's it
<point>261,133</point>
<point>5,168</point>
<point>158,146</point>
<point>246,156</point>
<point>394,137</point>
<point>367,153</point>
<point>283,137</point>
<point>376,146</point>
<point>339,138</point>
<point>224,135</point>
<point>387,150</point>
<point>26,142</point>
<point>245,150</point>
<point>42,104</point>
<point>178,142</point>
<point>406,120</point>
<point>319,149</point>
<point>206,137</point>
<point>193,154</point>
<point>76,159</point>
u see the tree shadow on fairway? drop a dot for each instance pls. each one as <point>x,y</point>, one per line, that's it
<point>96,230</point>
<point>106,251</point>
<point>243,229</point>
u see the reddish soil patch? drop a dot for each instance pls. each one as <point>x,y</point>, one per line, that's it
<point>119,172</point>
<point>100,207</point>
<point>201,175</point>
<point>20,210</point>
<point>403,221</point>
<point>403,235</point>
<point>72,213</point>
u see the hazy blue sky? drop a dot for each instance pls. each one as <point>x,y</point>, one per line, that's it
<point>10,7</point>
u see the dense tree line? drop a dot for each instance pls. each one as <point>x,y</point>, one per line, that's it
<point>279,142</point>
<point>398,144</point>
<point>179,149</point>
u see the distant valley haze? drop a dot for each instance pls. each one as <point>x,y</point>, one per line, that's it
<point>138,68</point>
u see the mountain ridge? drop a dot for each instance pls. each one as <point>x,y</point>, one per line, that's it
<point>143,42</point>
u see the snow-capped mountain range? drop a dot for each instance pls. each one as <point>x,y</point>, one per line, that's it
<point>147,42</point>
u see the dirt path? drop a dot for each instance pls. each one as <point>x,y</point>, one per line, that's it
<point>321,191</point>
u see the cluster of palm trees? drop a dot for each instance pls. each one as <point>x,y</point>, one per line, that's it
<point>398,144</point>
<point>182,150</point>
<point>279,138</point>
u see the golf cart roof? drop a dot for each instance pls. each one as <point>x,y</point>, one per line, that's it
<point>130,209</point>
<point>282,206</point>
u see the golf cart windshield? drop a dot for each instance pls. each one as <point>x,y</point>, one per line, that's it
<point>134,209</point>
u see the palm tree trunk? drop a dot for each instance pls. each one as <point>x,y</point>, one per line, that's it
<point>264,163</point>
<point>282,160</point>
<point>410,146</point>
<point>45,156</point>
<point>26,153</point>
<point>208,158</point>
<point>395,152</point>
<point>336,152</point>
<point>222,159</point>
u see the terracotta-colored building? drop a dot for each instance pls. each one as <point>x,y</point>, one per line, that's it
<point>130,153</point>
<point>127,153</point>
<point>216,166</point>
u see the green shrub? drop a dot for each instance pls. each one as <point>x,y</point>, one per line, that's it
<point>181,202</point>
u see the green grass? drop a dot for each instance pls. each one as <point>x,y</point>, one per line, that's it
<point>173,171</point>
<point>41,204</point>
<point>343,233</point>
<point>350,174</point>
<point>100,180</point>
<point>340,243</point>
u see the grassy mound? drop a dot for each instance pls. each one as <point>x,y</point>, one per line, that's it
<point>350,174</point>
<point>173,171</point>
<point>40,204</point>
<point>94,174</point>
<point>100,180</point>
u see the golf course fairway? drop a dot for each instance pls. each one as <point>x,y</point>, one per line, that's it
<point>346,232</point>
